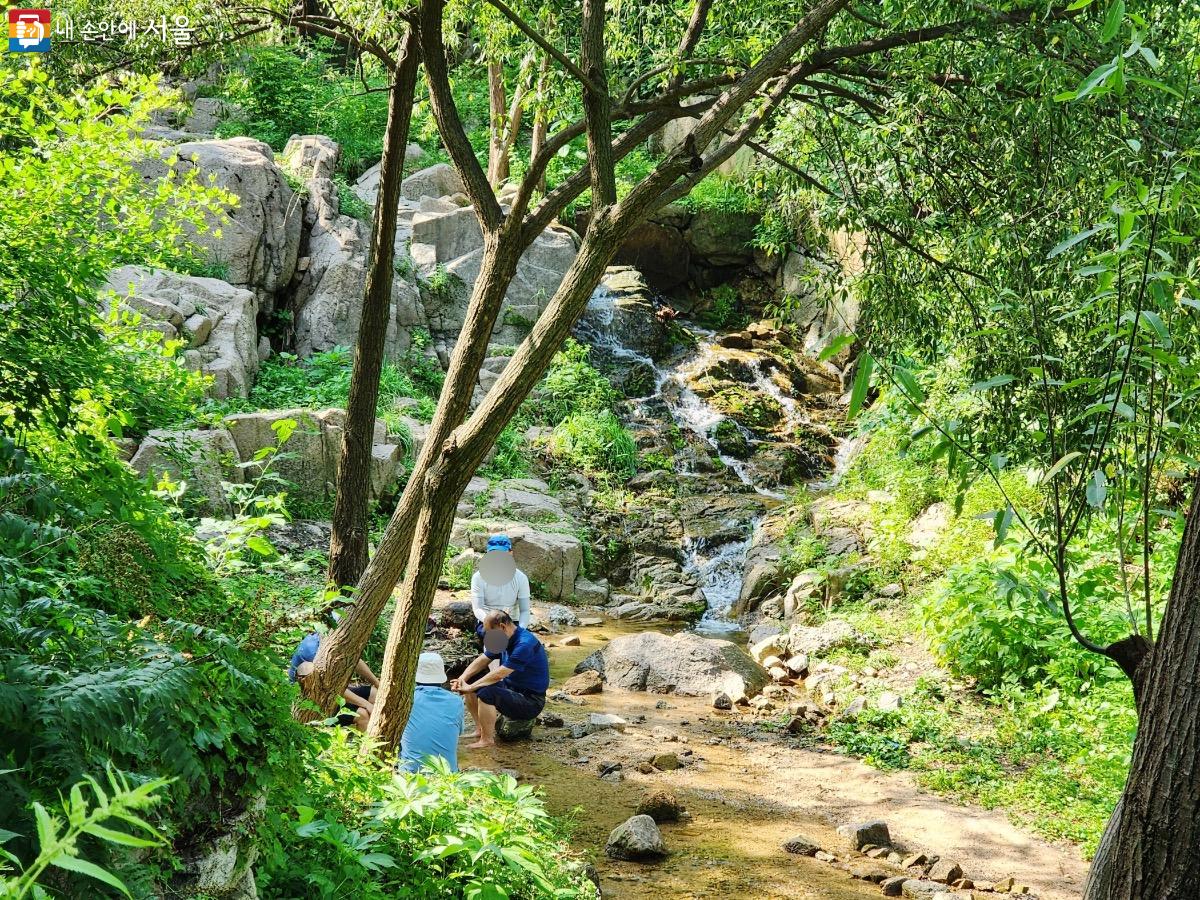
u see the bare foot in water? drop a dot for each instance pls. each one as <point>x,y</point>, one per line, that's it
<point>481,744</point>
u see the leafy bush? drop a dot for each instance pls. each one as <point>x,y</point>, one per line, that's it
<point>722,311</point>
<point>595,443</point>
<point>571,385</point>
<point>277,91</point>
<point>354,826</point>
<point>323,380</point>
<point>82,686</point>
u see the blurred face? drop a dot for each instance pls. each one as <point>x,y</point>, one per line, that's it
<point>497,567</point>
<point>496,639</point>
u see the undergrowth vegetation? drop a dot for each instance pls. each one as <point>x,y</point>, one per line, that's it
<point>1015,715</point>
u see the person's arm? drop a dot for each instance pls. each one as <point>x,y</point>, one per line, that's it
<point>497,674</point>
<point>354,700</point>
<point>478,600</point>
<point>478,664</point>
<point>365,671</point>
<point>523,599</point>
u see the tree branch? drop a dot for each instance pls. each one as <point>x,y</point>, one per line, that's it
<point>548,48</point>
<point>454,136</point>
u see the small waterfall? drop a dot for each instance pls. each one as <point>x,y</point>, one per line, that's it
<point>719,568</point>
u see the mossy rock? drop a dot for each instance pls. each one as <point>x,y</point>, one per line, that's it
<point>747,407</point>
<point>730,439</point>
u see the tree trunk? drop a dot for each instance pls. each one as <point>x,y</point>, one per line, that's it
<point>457,461</point>
<point>1151,847</point>
<point>341,649</point>
<point>497,146</point>
<point>348,542</point>
<point>540,120</point>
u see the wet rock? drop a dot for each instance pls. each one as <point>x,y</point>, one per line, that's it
<point>684,663</point>
<point>800,845</point>
<point>550,720</point>
<point>856,835</point>
<point>721,700</point>
<point>584,683</point>
<point>637,839</point>
<point>661,805</point>
<point>514,729</point>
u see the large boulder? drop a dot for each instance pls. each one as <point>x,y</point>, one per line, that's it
<point>204,459</point>
<point>216,319</point>
<point>367,185</point>
<point>440,180</point>
<point>621,320</point>
<point>447,248</point>
<point>721,238</point>
<point>550,558</point>
<point>329,294</point>
<point>258,238</point>
<point>310,456</point>
<point>525,499</point>
<point>683,663</point>
<point>818,309</point>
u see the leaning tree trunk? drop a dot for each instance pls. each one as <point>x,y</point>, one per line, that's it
<point>348,542</point>
<point>1151,847</point>
<point>461,455</point>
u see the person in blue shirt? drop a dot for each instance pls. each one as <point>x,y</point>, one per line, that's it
<point>516,688</point>
<point>436,718</point>
<point>360,698</point>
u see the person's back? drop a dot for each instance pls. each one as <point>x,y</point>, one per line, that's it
<point>435,722</point>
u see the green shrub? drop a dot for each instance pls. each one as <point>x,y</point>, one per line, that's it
<point>594,443</point>
<point>722,312</point>
<point>355,827</point>
<point>571,385</point>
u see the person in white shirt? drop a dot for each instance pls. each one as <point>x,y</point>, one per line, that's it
<point>499,586</point>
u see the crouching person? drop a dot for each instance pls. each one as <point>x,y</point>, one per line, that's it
<point>360,698</point>
<point>436,718</point>
<point>516,688</point>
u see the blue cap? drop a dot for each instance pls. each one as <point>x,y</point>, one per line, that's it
<point>499,542</point>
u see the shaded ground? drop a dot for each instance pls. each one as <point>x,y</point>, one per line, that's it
<point>746,793</point>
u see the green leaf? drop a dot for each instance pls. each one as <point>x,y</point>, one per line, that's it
<point>1112,21</point>
<point>994,382</point>
<point>862,382</point>
<point>1097,79</point>
<point>83,867</point>
<point>1074,239</point>
<point>260,545</point>
<point>1061,464</point>
<point>1003,521</point>
<point>1097,489</point>
<point>909,382</point>
<point>836,346</point>
<point>118,837</point>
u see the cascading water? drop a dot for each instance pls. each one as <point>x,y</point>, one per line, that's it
<point>719,567</point>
